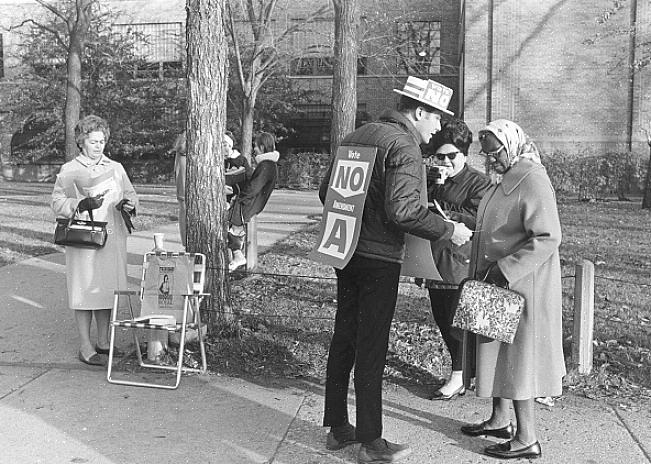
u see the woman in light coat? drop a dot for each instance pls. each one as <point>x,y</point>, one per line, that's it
<point>93,182</point>
<point>517,245</point>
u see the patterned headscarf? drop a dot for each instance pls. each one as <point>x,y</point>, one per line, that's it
<point>515,141</point>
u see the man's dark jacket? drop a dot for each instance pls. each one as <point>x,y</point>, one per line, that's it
<point>392,204</point>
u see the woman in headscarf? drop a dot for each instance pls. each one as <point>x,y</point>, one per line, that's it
<point>517,245</point>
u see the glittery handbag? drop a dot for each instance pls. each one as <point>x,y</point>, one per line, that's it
<point>488,310</point>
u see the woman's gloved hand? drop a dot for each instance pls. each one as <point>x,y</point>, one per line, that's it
<point>495,276</point>
<point>126,205</point>
<point>90,203</point>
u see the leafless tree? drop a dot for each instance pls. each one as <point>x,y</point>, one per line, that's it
<point>70,32</point>
<point>259,35</point>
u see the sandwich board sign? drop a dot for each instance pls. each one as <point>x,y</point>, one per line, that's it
<point>344,205</point>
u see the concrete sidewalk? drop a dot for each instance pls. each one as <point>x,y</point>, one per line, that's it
<point>58,410</point>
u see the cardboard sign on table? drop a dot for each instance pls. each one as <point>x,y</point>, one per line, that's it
<point>418,261</point>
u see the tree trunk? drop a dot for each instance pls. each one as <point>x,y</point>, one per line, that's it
<point>78,28</point>
<point>344,84</point>
<point>206,204</point>
<point>646,199</point>
<point>248,112</point>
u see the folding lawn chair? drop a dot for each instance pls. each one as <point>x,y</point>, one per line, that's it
<point>171,291</point>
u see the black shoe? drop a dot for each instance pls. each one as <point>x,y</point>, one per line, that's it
<point>476,430</point>
<point>94,360</point>
<point>440,396</point>
<point>340,437</point>
<point>503,451</point>
<point>380,451</point>
<point>116,351</point>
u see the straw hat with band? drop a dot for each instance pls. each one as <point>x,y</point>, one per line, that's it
<point>428,92</point>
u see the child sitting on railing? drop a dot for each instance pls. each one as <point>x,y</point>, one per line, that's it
<point>253,196</point>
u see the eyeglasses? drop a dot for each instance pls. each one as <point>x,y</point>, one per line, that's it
<point>451,156</point>
<point>492,154</point>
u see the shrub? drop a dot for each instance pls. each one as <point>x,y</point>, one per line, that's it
<point>596,177</point>
<point>302,170</point>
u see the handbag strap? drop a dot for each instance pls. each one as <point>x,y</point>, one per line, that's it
<point>90,215</point>
<point>486,276</point>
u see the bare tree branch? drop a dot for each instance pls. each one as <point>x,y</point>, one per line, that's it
<point>236,43</point>
<point>53,9</point>
<point>43,27</point>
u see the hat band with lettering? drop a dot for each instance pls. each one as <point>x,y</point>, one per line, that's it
<point>429,92</point>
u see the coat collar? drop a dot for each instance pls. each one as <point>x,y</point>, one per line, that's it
<point>460,176</point>
<point>400,119</point>
<point>269,156</point>
<point>518,172</point>
<point>87,162</point>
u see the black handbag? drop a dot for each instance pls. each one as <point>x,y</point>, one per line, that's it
<point>80,233</point>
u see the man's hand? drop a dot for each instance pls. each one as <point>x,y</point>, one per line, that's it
<point>461,234</point>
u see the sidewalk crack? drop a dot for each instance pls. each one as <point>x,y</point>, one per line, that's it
<point>631,433</point>
<point>289,427</point>
<point>36,377</point>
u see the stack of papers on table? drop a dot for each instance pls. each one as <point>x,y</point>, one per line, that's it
<point>158,319</point>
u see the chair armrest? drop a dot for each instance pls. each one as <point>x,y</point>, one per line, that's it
<point>125,292</point>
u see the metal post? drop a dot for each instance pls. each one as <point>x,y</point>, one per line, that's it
<point>252,244</point>
<point>583,316</point>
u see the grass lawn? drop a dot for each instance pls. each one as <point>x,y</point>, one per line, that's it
<point>285,311</point>
<point>28,222</point>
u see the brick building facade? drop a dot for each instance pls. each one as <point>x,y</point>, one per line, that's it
<point>528,60</point>
<point>537,63</point>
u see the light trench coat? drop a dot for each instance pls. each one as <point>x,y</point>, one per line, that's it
<point>519,229</point>
<point>93,274</point>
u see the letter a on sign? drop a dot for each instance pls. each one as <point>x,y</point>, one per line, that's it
<point>338,235</point>
<point>344,205</point>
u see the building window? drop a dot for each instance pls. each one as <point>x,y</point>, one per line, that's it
<point>311,47</point>
<point>419,47</point>
<point>312,111</point>
<point>160,46</point>
<point>320,65</point>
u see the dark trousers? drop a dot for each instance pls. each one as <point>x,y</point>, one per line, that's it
<point>367,290</point>
<point>444,303</point>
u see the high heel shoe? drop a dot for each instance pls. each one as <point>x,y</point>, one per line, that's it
<point>94,360</point>
<point>440,396</point>
<point>116,351</point>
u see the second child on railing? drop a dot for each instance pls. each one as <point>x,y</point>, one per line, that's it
<point>253,196</point>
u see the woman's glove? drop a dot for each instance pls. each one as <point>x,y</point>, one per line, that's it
<point>127,206</point>
<point>90,203</point>
<point>126,209</point>
<point>495,276</point>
